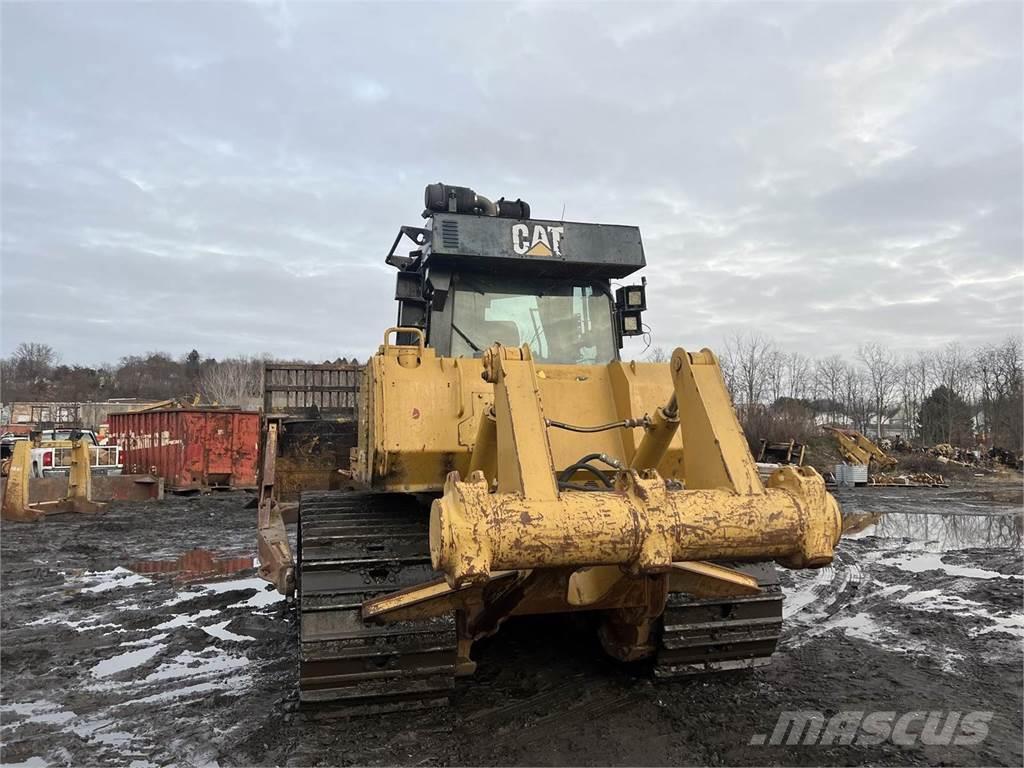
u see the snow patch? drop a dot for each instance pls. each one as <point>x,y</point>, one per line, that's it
<point>125,661</point>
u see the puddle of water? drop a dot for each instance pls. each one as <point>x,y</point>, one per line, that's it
<point>32,762</point>
<point>146,640</point>
<point>210,669</point>
<point>932,561</point>
<point>46,712</point>
<point>195,565</point>
<point>186,619</point>
<point>940,531</point>
<point>103,581</point>
<point>860,625</point>
<point>127,660</point>
<point>261,599</point>
<point>936,600</point>
<point>83,625</point>
<point>1011,625</point>
<point>221,632</point>
<point>263,596</point>
<point>99,731</point>
<point>189,690</point>
<point>866,627</point>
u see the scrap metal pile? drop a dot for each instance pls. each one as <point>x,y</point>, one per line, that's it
<point>911,479</point>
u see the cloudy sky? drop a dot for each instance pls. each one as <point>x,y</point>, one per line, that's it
<point>230,176</point>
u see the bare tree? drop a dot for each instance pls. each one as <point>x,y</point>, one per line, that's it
<point>999,376</point>
<point>923,380</point>
<point>728,366</point>
<point>33,361</point>
<point>882,378</point>
<point>907,394</point>
<point>774,373</point>
<point>856,402</point>
<point>828,379</point>
<point>747,358</point>
<point>799,381</point>
<point>952,370</point>
<point>658,355</point>
<point>234,381</point>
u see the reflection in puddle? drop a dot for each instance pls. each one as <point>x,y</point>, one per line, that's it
<point>195,564</point>
<point>942,531</point>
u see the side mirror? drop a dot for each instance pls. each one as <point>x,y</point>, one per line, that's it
<point>630,302</point>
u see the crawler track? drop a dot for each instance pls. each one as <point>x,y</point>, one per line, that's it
<point>720,635</point>
<point>353,546</point>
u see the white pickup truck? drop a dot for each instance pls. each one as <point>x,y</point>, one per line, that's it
<point>53,457</point>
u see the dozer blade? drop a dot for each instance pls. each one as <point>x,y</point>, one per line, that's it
<point>77,498</point>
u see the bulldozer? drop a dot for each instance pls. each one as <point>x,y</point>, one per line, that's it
<point>508,462</point>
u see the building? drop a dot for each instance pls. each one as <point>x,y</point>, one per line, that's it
<point>87,415</point>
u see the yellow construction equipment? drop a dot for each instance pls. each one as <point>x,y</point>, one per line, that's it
<point>78,497</point>
<point>511,464</point>
<point>857,449</point>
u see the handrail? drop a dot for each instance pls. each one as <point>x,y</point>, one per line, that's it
<point>422,338</point>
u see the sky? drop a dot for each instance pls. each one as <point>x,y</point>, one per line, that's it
<point>229,177</point>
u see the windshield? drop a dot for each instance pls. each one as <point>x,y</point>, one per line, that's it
<point>562,322</point>
<point>64,434</point>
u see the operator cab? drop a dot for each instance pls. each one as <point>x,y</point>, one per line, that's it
<point>486,272</point>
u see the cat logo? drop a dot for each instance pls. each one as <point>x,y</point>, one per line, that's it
<point>544,240</point>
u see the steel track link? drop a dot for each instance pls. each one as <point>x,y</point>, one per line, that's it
<point>706,636</point>
<point>353,546</point>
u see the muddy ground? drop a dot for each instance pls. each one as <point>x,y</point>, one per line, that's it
<point>118,649</point>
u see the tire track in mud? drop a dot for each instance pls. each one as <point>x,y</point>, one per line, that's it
<point>888,592</point>
<point>104,665</point>
<point>127,663</point>
<point>484,721</point>
<point>548,712</point>
<point>812,595</point>
<point>544,693</point>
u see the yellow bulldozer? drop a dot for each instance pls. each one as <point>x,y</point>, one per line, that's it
<point>510,463</point>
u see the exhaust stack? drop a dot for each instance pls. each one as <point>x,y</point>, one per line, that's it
<point>442,198</point>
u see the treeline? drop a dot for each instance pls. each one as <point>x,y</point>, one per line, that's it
<point>950,395</point>
<point>34,373</point>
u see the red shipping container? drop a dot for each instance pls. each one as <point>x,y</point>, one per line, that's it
<point>190,448</point>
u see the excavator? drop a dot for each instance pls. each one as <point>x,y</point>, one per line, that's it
<point>858,449</point>
<point>508,462</point>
